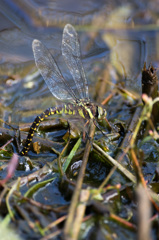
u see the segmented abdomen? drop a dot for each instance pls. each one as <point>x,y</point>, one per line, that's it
<point>35,124</point>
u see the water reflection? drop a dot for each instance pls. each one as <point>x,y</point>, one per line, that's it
<point>108,35</point>
<point>128,54</point>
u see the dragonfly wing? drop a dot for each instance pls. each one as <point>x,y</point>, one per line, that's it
<point>51,73</point>
<point>72,56</point>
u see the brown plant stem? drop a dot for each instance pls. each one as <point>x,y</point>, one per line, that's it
<point>71,220</point>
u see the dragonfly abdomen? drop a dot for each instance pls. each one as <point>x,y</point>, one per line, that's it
<point>35,124</point>
<point>68,109</point>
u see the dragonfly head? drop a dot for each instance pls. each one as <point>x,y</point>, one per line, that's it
<point>101,113</point>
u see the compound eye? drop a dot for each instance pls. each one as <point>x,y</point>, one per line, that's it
<point>101,113</point>
<point>105,113</point>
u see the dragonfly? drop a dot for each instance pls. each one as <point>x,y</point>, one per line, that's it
<point>73,93</point>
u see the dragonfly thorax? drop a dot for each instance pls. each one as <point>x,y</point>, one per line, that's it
<point>89,110</point>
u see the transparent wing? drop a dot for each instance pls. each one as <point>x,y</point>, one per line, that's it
<point>51,73</point>
<point>72,56</point>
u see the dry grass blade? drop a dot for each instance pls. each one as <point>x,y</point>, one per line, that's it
<point>113,162</point>
<point>84,197</point>
<point>144,214</point>
<point>71,222</point>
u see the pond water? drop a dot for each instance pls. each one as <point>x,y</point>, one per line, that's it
<point>116,39</point>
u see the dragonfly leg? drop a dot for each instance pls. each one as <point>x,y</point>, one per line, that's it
<point>85,132</point>
<point>69,130</point>
<point>97,125</point>
<point>34,126</point>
